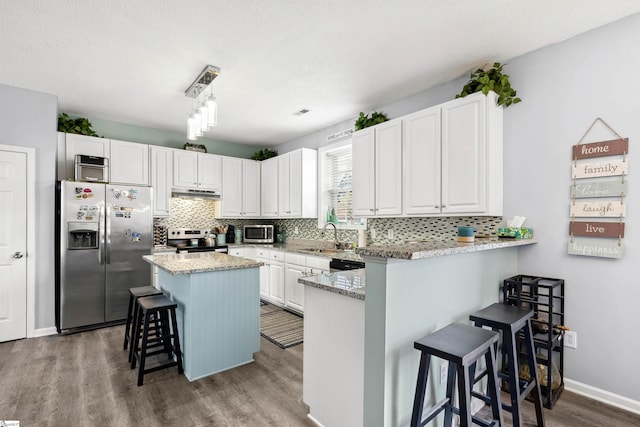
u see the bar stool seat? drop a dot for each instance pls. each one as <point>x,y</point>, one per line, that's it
<point>510,320</point>
<point>462,346</point>
<point>161,311</point>
<point>134,294</point>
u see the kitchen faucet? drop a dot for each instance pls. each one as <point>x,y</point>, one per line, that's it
<point>335,233</point>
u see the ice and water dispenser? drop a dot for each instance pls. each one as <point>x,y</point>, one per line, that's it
<point>83,235</point>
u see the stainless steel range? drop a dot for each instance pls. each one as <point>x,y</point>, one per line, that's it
<point>192,240</point>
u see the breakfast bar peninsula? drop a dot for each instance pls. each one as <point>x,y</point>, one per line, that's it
<point>218,298</point>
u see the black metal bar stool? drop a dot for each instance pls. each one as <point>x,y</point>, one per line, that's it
<point>511,320</point>
<point>462,345</point>
<point>161,312</point>
<point>134,294</point>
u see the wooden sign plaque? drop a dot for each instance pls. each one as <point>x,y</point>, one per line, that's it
<point>598,169</point>
<point>599,188</point>
<point>596,229</point>
<point>611,209</point>
<point>616,147</point>
<point>605,248</point>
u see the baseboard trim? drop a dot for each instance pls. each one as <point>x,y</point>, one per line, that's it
<point>43,332</point>
<point>603,396</point>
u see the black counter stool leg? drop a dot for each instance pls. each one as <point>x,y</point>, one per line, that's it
<point>462,346</point>
<point>510,320</point>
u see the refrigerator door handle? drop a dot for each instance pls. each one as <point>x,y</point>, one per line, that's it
<point>108,236</point>
<point>101,248</point>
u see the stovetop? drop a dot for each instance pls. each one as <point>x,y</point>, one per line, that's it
<point>181,239</point>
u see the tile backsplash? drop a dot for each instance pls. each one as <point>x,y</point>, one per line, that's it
<point>202,214</point>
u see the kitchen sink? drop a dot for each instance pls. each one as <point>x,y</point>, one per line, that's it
<point>323,251</point>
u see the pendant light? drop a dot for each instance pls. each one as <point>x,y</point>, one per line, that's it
<point>204,113</point>
<point>191,128</point>
<point>213,110</point>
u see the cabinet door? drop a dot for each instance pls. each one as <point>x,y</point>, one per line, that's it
<point>185,169</point>
<point>464,178</point>
<point>276,281</point>
<point>295,183</point>
<point>251,188</point>
<point>421,165</point>
<point>388,170</point>
<point>294,291</point>
<point>161,179</point>
<point>129,163</point>
<point>269,187</point>
<point>209,172</point>
<point>363,147</point>
<point>231,203</point>
<point>284,199</point>
<point>82,144</point>
<point>264,278</point>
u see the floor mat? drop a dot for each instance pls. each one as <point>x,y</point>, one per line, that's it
<point>281,327</point>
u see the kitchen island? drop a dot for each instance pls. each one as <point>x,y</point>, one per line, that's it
<point>411,290</point>
<point>218,298</point>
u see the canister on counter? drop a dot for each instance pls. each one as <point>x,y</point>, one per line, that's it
<point>466,234</point>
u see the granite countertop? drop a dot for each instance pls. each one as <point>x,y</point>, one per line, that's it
<point>350,283</point>
<point>201,262</point>
<point>305,249</point>
<point>436,248</point>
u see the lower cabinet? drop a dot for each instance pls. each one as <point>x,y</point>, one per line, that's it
<point>295,268</point>
<point>276,282</point>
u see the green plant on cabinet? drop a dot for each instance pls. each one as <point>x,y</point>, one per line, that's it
<point>264,154</point>
<point>364,121</point>
<point>491,80</point>
<point>80,125</point>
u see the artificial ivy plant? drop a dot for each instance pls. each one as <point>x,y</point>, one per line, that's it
<point>364,121</point>
<point>491,80</point>
<point>80,125</point>
<point>264,154</point>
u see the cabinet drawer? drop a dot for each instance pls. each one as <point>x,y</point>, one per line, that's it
<point>277,255</point>
<point>236,252</point>
<point>262,253</point>
<point>317,262</point>
<point>298,259</point>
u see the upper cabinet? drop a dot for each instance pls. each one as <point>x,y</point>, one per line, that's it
<point>129,163</point>
<point>377,170</point>
<point>197,170</point>
<point>79,144</point>
<point>161,179</point>
<point>240,188</point>
<point>453,158</point>
<point>291,181</point>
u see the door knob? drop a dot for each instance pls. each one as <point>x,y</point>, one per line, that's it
<point>18,255</point>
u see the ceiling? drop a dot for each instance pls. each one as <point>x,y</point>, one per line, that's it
<point>131,61</point>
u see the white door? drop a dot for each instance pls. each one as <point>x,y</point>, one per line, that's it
<point>231,204</point>
<point>363,147</point>
<point>13,244</point>
<point>284,192</point>
<point>209,172</point>
<point>185,169</point>
<point>388,161</point>
<point>269,186</point>
<point>251,188</point>
<point>294,291</point>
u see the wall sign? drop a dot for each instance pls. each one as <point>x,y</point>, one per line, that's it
<point>598,171</point>
<point>339,135</point>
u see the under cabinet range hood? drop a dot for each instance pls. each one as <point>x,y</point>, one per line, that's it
<point>185,193</point>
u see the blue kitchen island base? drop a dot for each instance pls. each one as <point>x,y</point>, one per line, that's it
<point>218,318</point>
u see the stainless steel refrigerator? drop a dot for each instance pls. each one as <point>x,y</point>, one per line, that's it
<point>103,230</point>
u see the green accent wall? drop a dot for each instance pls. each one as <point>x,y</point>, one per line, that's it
<point>144,135</point>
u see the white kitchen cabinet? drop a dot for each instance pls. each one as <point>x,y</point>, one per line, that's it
<point>195,170</point>
<point>128,162</point>
<point>240,188</point>
<point>297,184</point>
<point>269,187</point>
<point>276,281</point>
<point>295,268</point>
<point>82,144</point>
<point>377,170</point>
<point>317,264</point>
<point>161,179</point>
<point>453,158</point>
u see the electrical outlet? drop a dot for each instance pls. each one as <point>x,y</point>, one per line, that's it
<point>443,372</point>
<point>373,234</point>
<point>390,234</point>
<point>571,339</point>
<point>296,230</point>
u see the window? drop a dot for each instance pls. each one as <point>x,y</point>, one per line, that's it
<point>336,186</point>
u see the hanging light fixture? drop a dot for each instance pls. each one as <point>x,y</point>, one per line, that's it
<point>205,113</point>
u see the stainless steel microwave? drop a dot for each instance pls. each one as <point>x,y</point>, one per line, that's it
<point>91,168</point>
<point>259,234</point>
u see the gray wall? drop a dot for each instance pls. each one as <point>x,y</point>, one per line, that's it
<point>28,119</point>
<point>564,87</point>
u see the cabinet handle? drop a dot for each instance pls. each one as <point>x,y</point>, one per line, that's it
<point>372,210</point>
<point>443,206</point>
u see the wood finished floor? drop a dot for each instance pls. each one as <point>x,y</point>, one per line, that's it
<point>84,380</point>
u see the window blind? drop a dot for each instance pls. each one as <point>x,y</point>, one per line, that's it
<point>339,185</point>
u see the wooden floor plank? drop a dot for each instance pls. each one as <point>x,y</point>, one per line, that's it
<point>84,379</point>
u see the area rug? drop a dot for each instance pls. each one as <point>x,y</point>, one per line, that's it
<point>281,327</point>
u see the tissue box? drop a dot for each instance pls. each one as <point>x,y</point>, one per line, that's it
<point>516,233</point>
